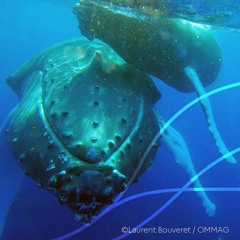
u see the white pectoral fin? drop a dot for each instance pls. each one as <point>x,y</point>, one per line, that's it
<point>193,77</point>
<point>177,147</point>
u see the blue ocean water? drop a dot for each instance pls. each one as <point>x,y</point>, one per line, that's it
<point>33,25</point>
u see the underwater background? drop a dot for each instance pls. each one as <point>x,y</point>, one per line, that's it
<point>30,26</point>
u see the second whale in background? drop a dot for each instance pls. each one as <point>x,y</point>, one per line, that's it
<point>180,53</point>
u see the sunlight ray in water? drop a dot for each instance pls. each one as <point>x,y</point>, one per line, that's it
<point>179,191</point>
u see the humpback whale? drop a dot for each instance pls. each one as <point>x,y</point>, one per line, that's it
<point>179,52</point>
<point>84,120</point>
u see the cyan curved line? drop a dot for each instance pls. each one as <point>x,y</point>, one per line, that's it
<point>168,123</point>
<point>178,193</point>
<point>149,193</point>
<point>173,190</point>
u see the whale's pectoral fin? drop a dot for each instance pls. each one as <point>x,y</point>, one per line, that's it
<point>209,206</point>
<point>193,77</point>
<point>175,144</point>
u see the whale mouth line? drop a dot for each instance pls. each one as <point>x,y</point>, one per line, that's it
<point>49,129</point>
